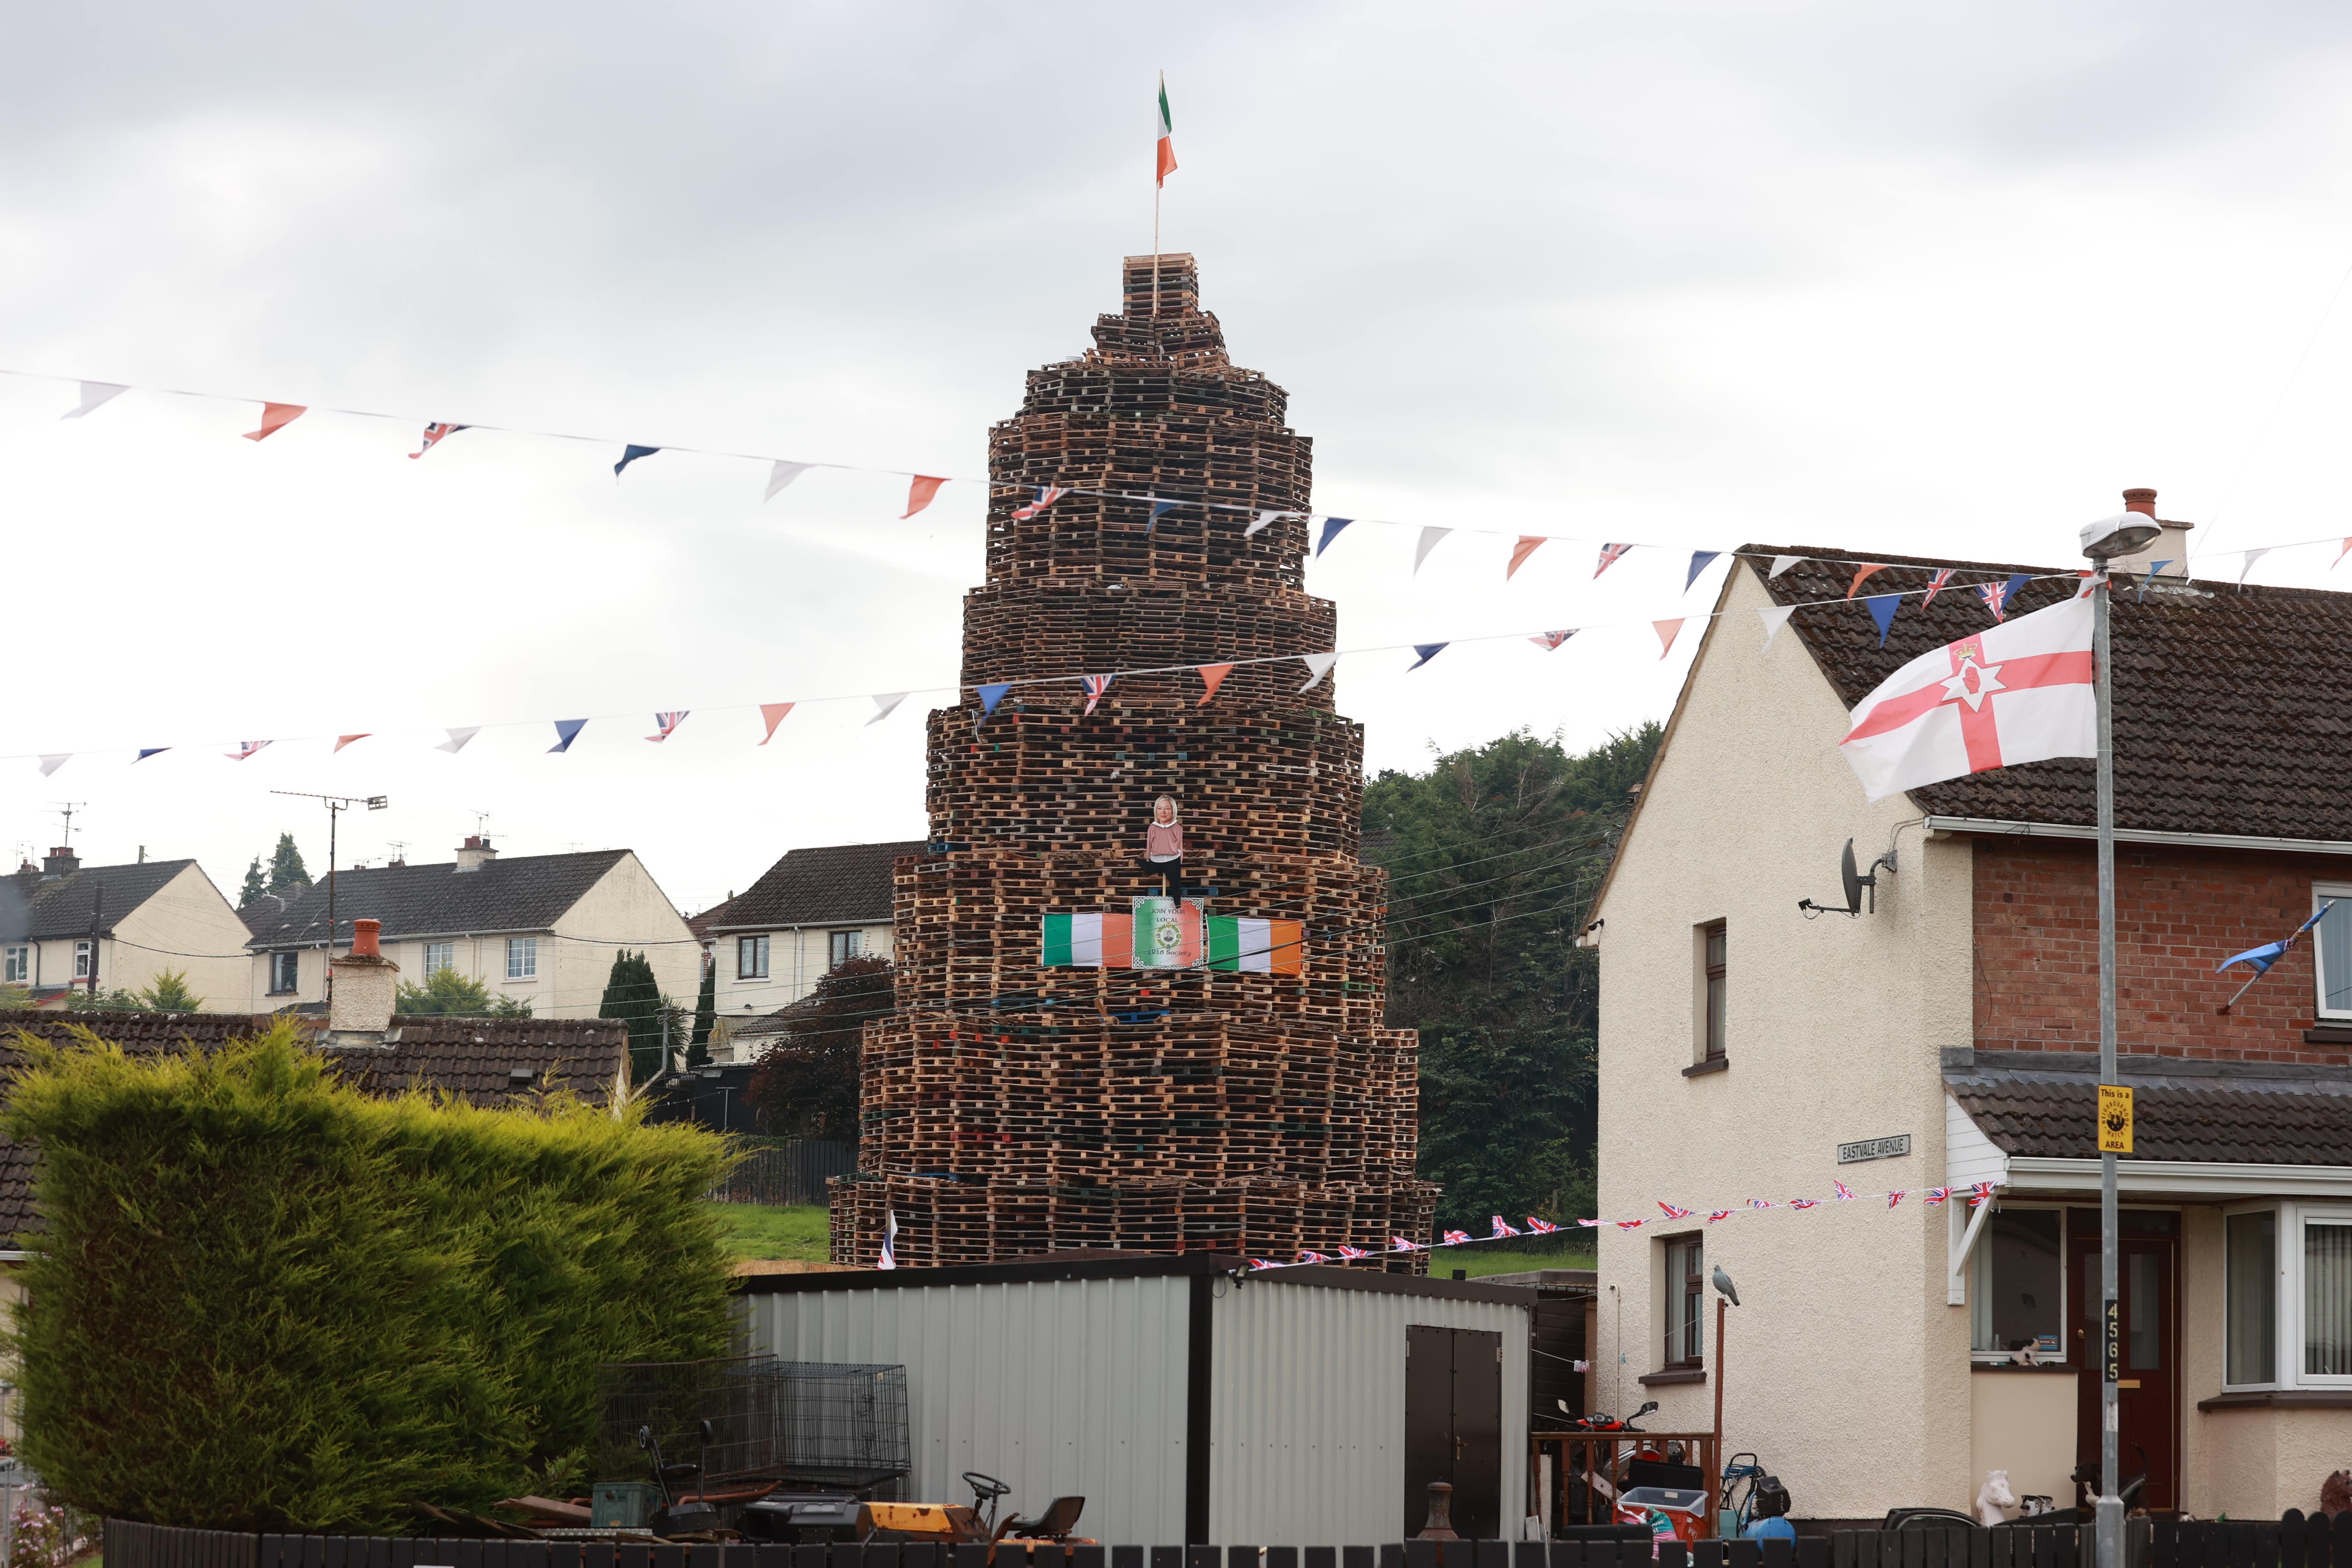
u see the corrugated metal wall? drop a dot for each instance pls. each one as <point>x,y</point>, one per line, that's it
<point>1308,1410</point>
<point>1058,1387</point>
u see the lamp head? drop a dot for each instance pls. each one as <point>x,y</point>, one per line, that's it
<point>2126,533</point>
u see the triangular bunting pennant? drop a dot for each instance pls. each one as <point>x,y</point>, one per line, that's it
<point>1427,650</point>
<point>1319,665</point>
<point>2150,575</point>
<point>1529,543</point>
<point>275,416</point>
<point>1551,640</point>
<point>1882,610</point>
<point>780,474</point>
<point>1212,676</point>
<point>1047,496</point>
<point>1861,573</point>
<point>990,696</point>
<point>1935,585</point>
<point>1700,561</point>
<point>1610,555</point>
<point>1263,517</point>
<point>920,494</point>
<point>1158,506</point>
<point>343,740</point>
<point>458,739</point>
<point>630,454</point>
<point>245,749</point>
<point>1095,685</point>
<point>1331,526</point>
<point>666,724</point>
<point>566,732</point>
<point>2248,563</point>
<point>2331,565</point>
<point>433,435</point>
<point>1668,631</point>
<point>1782,564</point>
<point>147,752</point>
<point>884,704</point>
<point>1427,542</point>
<point>94,395</point>
<point>1774,617</point>
<point>52,763</point>
<point>773,714</point>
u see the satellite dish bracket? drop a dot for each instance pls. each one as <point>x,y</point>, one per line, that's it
<point>1856,881</point>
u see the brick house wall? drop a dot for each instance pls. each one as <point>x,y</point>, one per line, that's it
<point>2178,913</point>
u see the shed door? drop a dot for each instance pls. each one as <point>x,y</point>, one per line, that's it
<point>1453,1426</point>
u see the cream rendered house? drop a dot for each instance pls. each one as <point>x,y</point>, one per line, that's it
<point>537,929</point>
<point>814,909</point>
<point>65,926</point>
<point>1945,1035</point>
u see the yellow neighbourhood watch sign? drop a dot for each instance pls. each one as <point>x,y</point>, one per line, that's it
<point>2115,1120</point>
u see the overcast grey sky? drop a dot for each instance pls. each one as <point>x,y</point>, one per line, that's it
<point>1904,279</point>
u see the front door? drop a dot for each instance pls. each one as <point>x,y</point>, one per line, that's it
<point>1453,1426</point>
<point>2147,1399</point>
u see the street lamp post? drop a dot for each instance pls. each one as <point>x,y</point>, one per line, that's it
<point>2102,542</point>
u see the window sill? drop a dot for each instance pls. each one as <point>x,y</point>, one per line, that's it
<point>1700,1069</point>
<point>2328,1035</point>
<point>1679,1375</point>
<point>2281,1399</point>
<point>2007,1367</point>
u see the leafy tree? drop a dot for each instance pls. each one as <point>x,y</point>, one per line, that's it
<point>445,991</point>
<point>706,1013</point>
<point>806,1083</point>
<point>1493,855</point>
<point>633,995</point>
<point>286,869</point>
<point>254,884</point>
<point>168,993</point>
<point>80,1000</point>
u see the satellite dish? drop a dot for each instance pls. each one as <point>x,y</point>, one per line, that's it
<point>1851,875</point>
<point>1853,882</point>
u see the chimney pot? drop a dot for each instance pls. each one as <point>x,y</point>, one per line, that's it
<point>2143,500</point>
<point>475,853</point>
<point>365,985</point>
<point>364,939</point>
<point>2171,543</point>
<point>61,862</point>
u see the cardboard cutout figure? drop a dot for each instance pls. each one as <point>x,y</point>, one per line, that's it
<point>1163,847</point>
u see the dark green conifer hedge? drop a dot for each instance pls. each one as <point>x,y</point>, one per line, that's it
<point>264,1301</point>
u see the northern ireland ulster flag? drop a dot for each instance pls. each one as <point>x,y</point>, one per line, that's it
<point>2016,693</point>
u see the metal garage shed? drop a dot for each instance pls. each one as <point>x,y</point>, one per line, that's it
<point>1184,1398</point>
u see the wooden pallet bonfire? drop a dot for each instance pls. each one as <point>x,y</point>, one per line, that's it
<point>1009,1108</point>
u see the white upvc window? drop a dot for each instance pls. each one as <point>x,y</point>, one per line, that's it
<point>85,959</point>
<point>2017,1283</point>
<point>2287,1297</point>
<point>751,957</point>
<point>285,974</point>
<point>438,956</point>
<point>522,958</point>
<point>2331,949</point>
<point>16,967</point>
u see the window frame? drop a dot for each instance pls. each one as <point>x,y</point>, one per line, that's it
<point>2320,893</point>
<point>2291,1219</point>
<point>1690,1290</point>
<point>85,958</point>
<point>16,956</point>
<point>842,945</point>
<point>2282,1279</point>
<point>761,949</point>
<point>448,953</point>
<point>1714,993</point>
<point>525,949</point>
<point>286,958</point>
<point>2332,1213</point>
<point>1979,1272</point>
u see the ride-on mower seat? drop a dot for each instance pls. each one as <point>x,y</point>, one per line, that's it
<point>1060,1517</point>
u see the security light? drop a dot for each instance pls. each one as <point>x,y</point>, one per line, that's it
<point>2126,533</point>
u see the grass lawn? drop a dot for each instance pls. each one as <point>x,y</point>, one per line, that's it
<point>758,1230</point>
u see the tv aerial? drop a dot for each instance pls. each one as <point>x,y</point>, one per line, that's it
<point>1854,881</point>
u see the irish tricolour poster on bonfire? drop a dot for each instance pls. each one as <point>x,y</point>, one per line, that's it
<point>2016,693</point>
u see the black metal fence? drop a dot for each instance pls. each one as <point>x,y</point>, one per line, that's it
<point>784,1171</point>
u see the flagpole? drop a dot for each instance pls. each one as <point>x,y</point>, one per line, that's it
<point>2109,1513</point>
<point>1158,185</point>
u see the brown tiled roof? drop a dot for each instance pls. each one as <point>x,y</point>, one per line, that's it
<point>474,1058</point>
<point>2283,1123</point>
<point>2233,707</point>
<point>710,919</point>
<point>848,884</point>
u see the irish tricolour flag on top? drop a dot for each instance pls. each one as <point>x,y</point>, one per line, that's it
<point>2016,693</point>
<point>1163,933</point>
<point>1167,134</point>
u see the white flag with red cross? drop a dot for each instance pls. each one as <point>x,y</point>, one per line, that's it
<point>2016,693</point>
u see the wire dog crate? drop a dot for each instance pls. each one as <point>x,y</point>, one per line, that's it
<point>806,1424</point>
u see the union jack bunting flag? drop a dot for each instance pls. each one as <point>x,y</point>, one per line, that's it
<point>433,435</point>
<point>1938,1195</point>
<point>1400,1244</point>
<point>667,724</point>
<point>1047,496</point>
<point>245,749</point>
<point>1454,1239</point>
<point>1935,585</point>
<point>1844,1192</point>
<point>1541,1226</point>
<point>1980,1194</point>
<point>1353,1252</point>
<point>1758,1204</point>
<point>1803,1202</point>
<point>1551,641</point>
<point>1610,555</point>
<point>1502,1230</point>
<point>1312,1257</point>
<point>1262,1263</point>
<point>1996,598</point>
<point>1095,686</point>
<point>1894,1198</point>
<point>1629,1224</point>
<point>1719,1214</point>
<point>1672,1212</point>
<point>1590,1224</point>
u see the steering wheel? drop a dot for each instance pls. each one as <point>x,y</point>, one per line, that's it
<point>984,1488</point>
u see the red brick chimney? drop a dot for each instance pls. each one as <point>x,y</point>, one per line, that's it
<point>2171,545</point>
